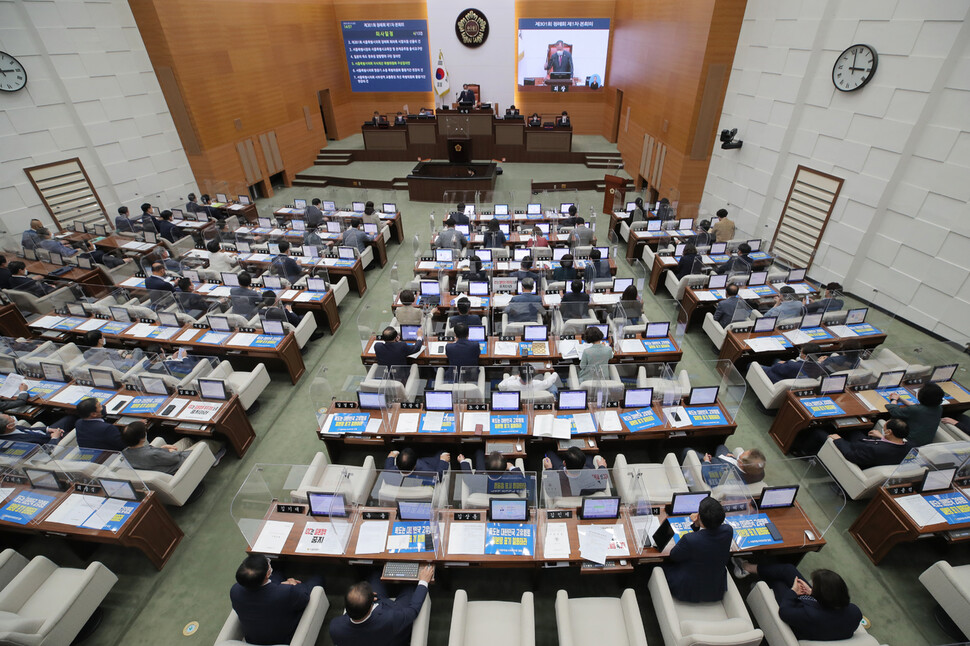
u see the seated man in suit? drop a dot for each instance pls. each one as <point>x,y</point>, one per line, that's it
<point>695,570</point>
<point>875,449</point>
<point>597,268</point>
<point>570,219</point>
<point>19,280</point>
<point>245,301</point>
<point>391,352</point>
<point>563,119</point>
<point>450,237</point>
<point>581,235</point>
<point>511,111</point>
<point>575,302</point>
<point>793,367</point>
<point>92,431</point>
<point>313,216</point>
<point>749,466</point>
<point>277,311</point>
<point>463,353</point>
<point>142,455</point>
<point>830,302</point>
<point>283,265</point>
<point>354,237</point>
<point>466,98</point>
<point>376,119</point>
<point>525,270</point>
<point>459,215</point>
<point>739,264</point>
<point>156,282</point>
<point>535,120</point>
<point>400,119</point>
<point>54,246</point>
<point>406,462</point>
<point>704,237</point>
<point>494,462</point>
<point>97,354</point>
<point>192,206</point>
<point>11,432</point>
<point>575,459</point>
<point>269,607</point>
<point>168,230</point>
<point>732,308</point>
<point>191,303</point>
<point>123,222</point>
<point>146,221</point>
<point>524,307</point>
<point>464,306</point>
<point>374,619</point>
<point>211,212</point>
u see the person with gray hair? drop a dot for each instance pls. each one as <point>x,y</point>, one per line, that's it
<point>12,432</point>
<point>524,307</point>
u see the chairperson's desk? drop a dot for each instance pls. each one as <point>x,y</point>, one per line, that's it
<point>262,347</point>
<point>800,412</point>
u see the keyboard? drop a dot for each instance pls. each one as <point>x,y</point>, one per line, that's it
<point>401,570</point>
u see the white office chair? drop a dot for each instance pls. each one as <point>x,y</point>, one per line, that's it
<point>463,391</point>
<point>307,630</point>
<point>485,623</point>
<point>677,387</point>
<point>395,390</point>
<point>474,489</point>
<point>573,326</point>
<point>604,621</point>
<point>677,286</point>
<point>659,481</point>
<point>694,470</point>
<point>772,395</point>
<point>614,385</point>
<point>248,385</point>
<point>517,329</point>
<point>950,587</point>
<point>11,563</point>
<point>717,333</point>
<point>354,482</point>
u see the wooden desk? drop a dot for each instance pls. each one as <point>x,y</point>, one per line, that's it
<point>245,212</point>
<point>384,137</point>
<point>334,267</point>
<point>92,281</point>
<point>661,264</point>
<point>477,240</point>
<point>12,322</point>
<point>693,307</point>
<point>433,269</point>
<point>641,237</point>
<point>558,139</point>
<point>393,220</point>
<point>884,524</point>
<point>150,528</point>
<point>740,354</point>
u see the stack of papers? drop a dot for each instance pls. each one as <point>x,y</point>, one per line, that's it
<point>556,544</point>
<point>272,538</point>
<point>407,422</point>
<point>371,536</point>
<point>765,344</point>
<point>506,348</point>
<point>552,426</point>
<point>609,421</point>
<point>842,331</point>
<point>705,295</point>
<point>921,511</point>
<point>466,538</point>
<point>797,337</point>
<point>631,345</point>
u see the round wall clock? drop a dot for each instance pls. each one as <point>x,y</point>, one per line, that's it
<point>854,68</point>
<point>13,76</point>
<point>471,27</point>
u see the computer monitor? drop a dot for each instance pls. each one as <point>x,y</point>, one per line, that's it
<point>718,248</point>
<point>571,400</point>
<point>679,249</point>
<point>943,373</point>
<point>219,323</point>
<point>755,245</point>
<point>273,248</point>
<point>272,282</point>
<point>327,504</point>
<point>79,227</point>
<point>796,275</point>
<point>409,332</point>
<point>508,509</point>
<point>543,227</point>
<point>430,288</point>
<point>221,197</point>
<point>444,255</point>
<point>604,329</point>
<point>390,208</point>
<point>272,327</point>
<point>329,205</point>
<point>357,207</point>
<point>102,378</point>
<point>298,225</point>
<point>84,262</point>
<point>370,228</point>
<point>52,371</point>
<point>604,252</point>
<point>937,479</point>
<point>316,284</point>
<point>890,379</point>
<point>485,255</point>
<point>243,246</point>
<point>119,314</point>
<point>478,287</point>
<point>500,209</point>
<point>811,320</point>
<point>630,206</point>
<point>169,319</point>
<point>716,281</point>
<point>757,278</point>
<point>346,253</point>
<point>469,210</point>
<point>177,214</point>
<point>600,508</point>
<point>765,324</point>
<point>42,479</point>
<point>439,400</point>
<point>777,497</point>
<point>333,226</point>
<point>192,275</point>
<point>244,199</point>
<point>638,398</point>
<point>153,385</point>
<point>213,389</point>
<point>620,284</point>
<point>56,258</point>
<point>654,225</point>
<point>559,252</point>
<point>150,236</point>
<point>76,309</point>
<point>371,401</point>
<point>685,504</point>
<point>703,395</point>
<point>685,224</point>
<point>503,401</point>
<point>534,209</point>
<point>657,330</point>
<point>833,385</point>
<point>113,488</point>
<point>564,207</point>
<point>299,204</point>
<point>413,510</point>
<point>264,223</point>
<point>229,279</point>
<point>519,253</point>
<point>30,254</point>
<point>535,333</point>
<point>856,316</point>
<point>476,333</point>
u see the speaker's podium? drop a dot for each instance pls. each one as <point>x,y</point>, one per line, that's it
<point>459,150</point>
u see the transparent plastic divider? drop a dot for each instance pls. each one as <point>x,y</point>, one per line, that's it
<point>265,485</point>
<point>820,497</point>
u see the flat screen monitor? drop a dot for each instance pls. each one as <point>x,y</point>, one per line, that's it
<point>370,228</point>
<point>177,214</point>
<point>685,504</point>
<point>329,205</point>
<point>357,207</point>
<point>777,497</point>
<point>685,224</point>
<point>192,275</point>
<point>444,255</point>
<point>265,223</point>
<point>327,504</point>
<point>534,209</point>
<point>765,324</point>
<point>409,332</point>
<point>833,385</point>
<point>937,479</point>
<point>219,323</point>
<point>485,255</point>
<point>213,389</point>
<point>571,400</point>
<point>169,319</point>
<point>856,316</point>
<point>272,327</point>
<point>56,258</point>
<point>559,252</point>
<point>564,207</point>
<point>543,227</point>
<point>504,228</point>
<point>52,371</point>
<point>150,236</point>
<point>346,253</point>
<point>316,284</point>
<point>890,379</point>
<point>500,209</point>
<point>604,329</point>
<point>76,309</point>
<point>755,245</point>
<point>943,373</point>
<point>272,282</point>
<point>298,225</point>
<point>796,275</point>
<point>371,401</point>
<point>390,208</point>
<point>679,249</point>
<point>310,251</point>
<point>79,227</point>
<point>476,333</point>
<point>503,401</point>
<point>273,248</point>
<point>604,252</point>
<point>757,278</point>
<point>229,279</point>
<point>333,227</point>
<point>478,287</point>
<point>654,225</point>
<point>244,199</point>
<point>519,253</point>
<point>153,385</point>
<point>620,284</point>
<point>630,206</point>
<point>42,479</point>
<point>600,508</point>
<point>84,262</point>
<point>243,246</point>
<point>101,229</point>
<point>703,395</point>
<point>535,333</point>
<point>663,535</point>
<point>412,510</point>
<point>221,197</point>
<point>119,314</point>
<point>299,204</point>
<point>508,509</point>
<point>439,400</point>
<point>812,320</point>
<point>717,281</point>
<point>102,378</point>
<point>657,330</point>
<point>121,489</point>
<point>430,288</point>
<point>638,398</point>
<point>718,248</point>
<point>30,254</point>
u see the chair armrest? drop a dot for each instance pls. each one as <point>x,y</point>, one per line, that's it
<point>311,621</point>
<point>663,603</point>
<point>26,583</point>
<point>232,630</point>
<point>764,607</point>
<point>631,616</point>
<point>419,629</point>
<point>573,377</point>
<point>528,621</point>
<point>563,619</point>
<point>459,612</point>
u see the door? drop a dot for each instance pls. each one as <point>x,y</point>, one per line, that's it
<point>326,112</point>
<point>616,116</point>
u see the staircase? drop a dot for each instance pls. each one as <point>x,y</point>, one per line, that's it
<point>310,180</point>
<point>333,158</point>
<point>606,161</point>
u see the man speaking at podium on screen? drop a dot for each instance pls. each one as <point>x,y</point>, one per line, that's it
<point>466,99</point>
<point>561,62</point>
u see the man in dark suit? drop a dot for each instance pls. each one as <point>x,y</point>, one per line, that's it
<point>191,303</point>
<point>463,353</point>
<point>122,222</point>
<point>313,216</point>
<point>269,607</point>
<point>732,308</point>
<point>146,221</point>
<point>525,307</point>
<point>92,431</point>
<point>168,230</point>
<point>876,451</point>
<point>19,280</point>
<point>400,119</point>
<point>525,270</point>
<point>739,264</point>
<point>391,352</point>
<point>278,311</point>
<point>4,273</point>
<point>575,302</point>
<point>283,265</point>
<point>695,570</point>
<point>466,98</point>
<point>458,215</point>
<point>790,369</point>
<point>563,119</point>
<point>192,206</point>
<point>560,62</point>
<point>406,462</point>
<point>245,301</point>
<point>156,284</point>
<point>464,306</point>
<point>495,461</point>
<point>575,459</point>
<point>374,619</point>
<point>10,432</point>
<point>828,303</point>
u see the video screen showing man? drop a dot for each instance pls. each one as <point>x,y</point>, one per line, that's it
<point>560,63</point>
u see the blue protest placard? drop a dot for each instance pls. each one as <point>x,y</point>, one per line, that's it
<point>509,425</point>
<point>706,415</point>
<point>510,539</point>
<point>659,345</point>
<point>640,420</point>
<point>145,405</point>
<point>751,530</point>
<point>953,506</point>
<point>821,406</point>
<point>24,507</point>
<point>415,530</point>
<point>348,422</point>
<point>864,329</point>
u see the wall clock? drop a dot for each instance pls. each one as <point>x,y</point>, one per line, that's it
<point>854,68</point>
<point>13,76</point>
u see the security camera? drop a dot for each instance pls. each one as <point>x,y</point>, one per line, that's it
<point>728,142</point>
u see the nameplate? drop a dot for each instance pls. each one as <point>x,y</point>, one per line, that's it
<point>84,382</point>
<point>559,514</point>
<point>145,319</point>
<point>247,329</point>
<point>86,488</point>
<point>139,274</point>
<point>200,326</point>
<point>542,407</point>
<point>188,392</point>
<point>198,246</point>
<point>345,404</point>
<point>467,515</point>
<point>901,489</point>
<point>506,338</point>
<point>212,281</point>
<point>411,405</point>
<point>376,515</point>
<point>476,407</point>
<point>630,335</point>
<point>427,258</point>
<point>282,508</point>
<point>14,479</point>
<point>612,404</point>
<point>102,316</point>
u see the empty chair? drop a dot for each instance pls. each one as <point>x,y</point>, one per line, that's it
<point>474,494</point>
<point>677,286</point>
<point>950,587</point>
<point>27,302</point>
<point>517,329</point>
<point>772,395</point>
<point>717,333</point>
<point>474,391</point>
<point>573,326</point>
<point>307,631</point>
<point>11,563</point>
<point>247,385</point>
<point>659,481</point>
<point>354,482</point>
<point>604,621</point>
<point>613,385</point>
<point>672,388</point>
<point>396,391</point>
<point>485,623</point>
